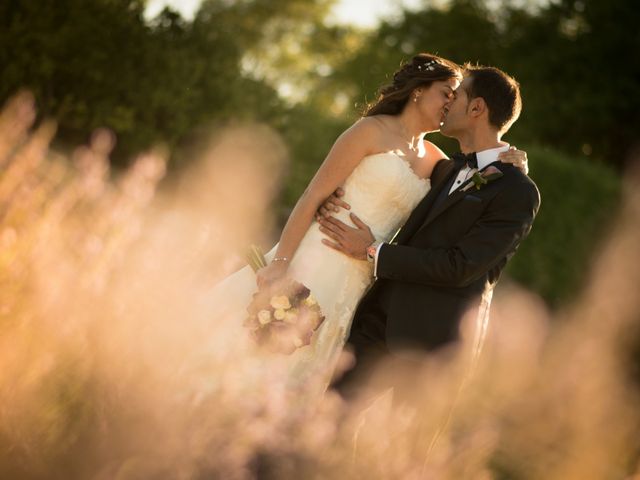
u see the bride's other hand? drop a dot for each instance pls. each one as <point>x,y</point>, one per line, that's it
<point>518,158</point>
<point>332,204</point>
<point>270,274</point>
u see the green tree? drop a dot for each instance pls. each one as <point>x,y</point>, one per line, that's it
<point>100,64</point>
<point>577,61</point>
<point>81,60</point>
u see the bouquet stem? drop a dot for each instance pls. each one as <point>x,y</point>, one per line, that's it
<point>255,258</point>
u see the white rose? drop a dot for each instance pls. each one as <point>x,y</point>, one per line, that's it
<point>281,301</point>
<point>264,317</point>
<point>310,301</point>
<point>279,314</point>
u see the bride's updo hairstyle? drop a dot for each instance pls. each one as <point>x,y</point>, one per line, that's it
<point>421,71</point>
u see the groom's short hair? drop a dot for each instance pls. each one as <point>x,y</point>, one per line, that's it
<point>501,94</point>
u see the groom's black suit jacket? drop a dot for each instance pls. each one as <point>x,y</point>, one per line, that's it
<point>451,249</point>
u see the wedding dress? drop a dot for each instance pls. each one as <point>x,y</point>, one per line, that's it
<point>382,191</point>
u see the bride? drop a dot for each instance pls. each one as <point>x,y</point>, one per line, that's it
<point>383,164</point>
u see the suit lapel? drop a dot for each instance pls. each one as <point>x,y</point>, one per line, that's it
<point>442,174</point>
<point>451,200</point>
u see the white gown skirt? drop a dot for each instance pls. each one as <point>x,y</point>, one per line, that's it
<point>335,280</point>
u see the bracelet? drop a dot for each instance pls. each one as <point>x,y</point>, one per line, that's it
<point>280,259</point>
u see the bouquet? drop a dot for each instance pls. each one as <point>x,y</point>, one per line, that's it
<point>283,316</point>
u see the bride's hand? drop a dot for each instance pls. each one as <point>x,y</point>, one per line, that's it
<point>518,158</point>
<point>271,273</point>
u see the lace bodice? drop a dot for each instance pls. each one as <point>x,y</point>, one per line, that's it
<point>382,191</point>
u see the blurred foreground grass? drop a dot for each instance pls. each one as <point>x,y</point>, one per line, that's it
<point>112,367</point>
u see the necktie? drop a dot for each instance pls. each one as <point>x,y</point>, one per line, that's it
<point>470,159</point>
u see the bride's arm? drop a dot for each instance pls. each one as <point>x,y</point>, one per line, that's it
<point>517,158</point>
<point>348,150</point>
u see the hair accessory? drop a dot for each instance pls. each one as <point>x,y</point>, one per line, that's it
<point>428,66</point>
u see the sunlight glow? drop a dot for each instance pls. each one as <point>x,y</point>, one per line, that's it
<point>361,14</point>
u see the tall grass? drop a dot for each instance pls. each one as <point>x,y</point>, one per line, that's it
<point>112,364</point>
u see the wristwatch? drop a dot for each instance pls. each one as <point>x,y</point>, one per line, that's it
<point>372,249</point>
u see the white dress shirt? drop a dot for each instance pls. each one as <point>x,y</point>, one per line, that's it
<point>485,158</point>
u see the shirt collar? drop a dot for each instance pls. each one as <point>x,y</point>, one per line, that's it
<point>487,157</point>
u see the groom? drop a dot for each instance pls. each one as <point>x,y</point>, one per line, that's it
<point>456,241</point>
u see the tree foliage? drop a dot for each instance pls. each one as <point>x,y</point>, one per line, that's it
<point>103,64</point>
<point>100,63</point>
<point>576,62</point>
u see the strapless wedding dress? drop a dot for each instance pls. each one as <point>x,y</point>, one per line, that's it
<point>382,191</point>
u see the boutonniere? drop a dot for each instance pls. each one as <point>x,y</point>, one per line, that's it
<point>483,177</point>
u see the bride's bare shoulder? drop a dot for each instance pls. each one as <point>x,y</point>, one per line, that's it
<point>434,152</point>
<point>367,131</point>
<point>431,157</point>
<point>369,125</point>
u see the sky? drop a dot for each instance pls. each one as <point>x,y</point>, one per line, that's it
<point>363,13</point>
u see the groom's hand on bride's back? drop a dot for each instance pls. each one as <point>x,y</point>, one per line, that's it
<point>332,205</point>
<point>352,241</point>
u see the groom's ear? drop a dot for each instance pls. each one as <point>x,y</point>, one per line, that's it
<point>477,107</point>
